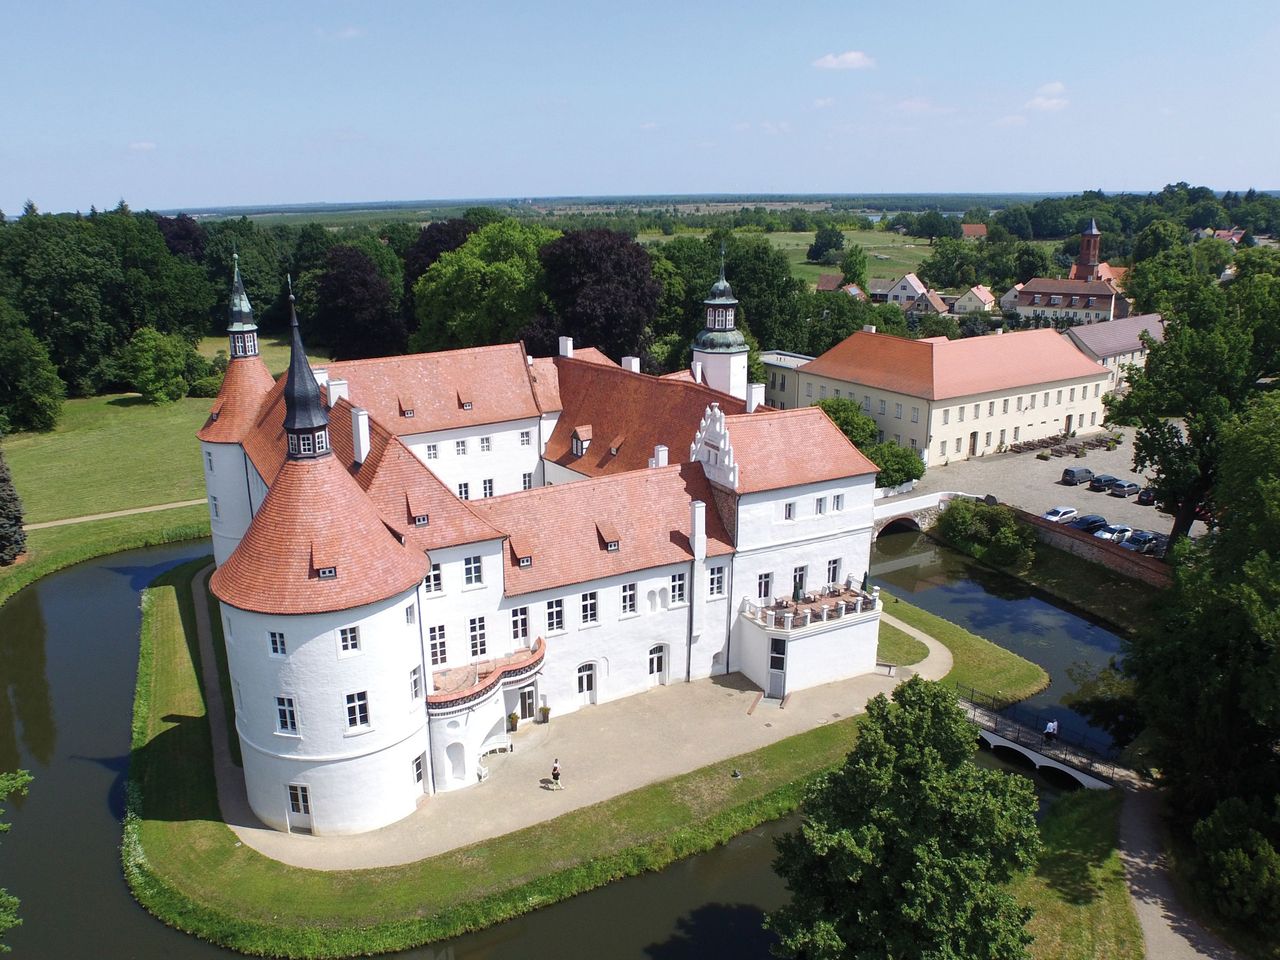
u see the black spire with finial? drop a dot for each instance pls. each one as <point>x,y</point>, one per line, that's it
<point>306,422</point>
<point>242,332</point>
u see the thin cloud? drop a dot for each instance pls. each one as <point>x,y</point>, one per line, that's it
<point>1011,120</point>
<point>823,102</point>
<point>649,125</point>
<point>142,146</point>
<point>342,33</point>
<point>849,60</point>
<point>1049,97</point>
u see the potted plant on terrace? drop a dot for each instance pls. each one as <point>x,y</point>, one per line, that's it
<point>544,714</point>
<point>513,721</point>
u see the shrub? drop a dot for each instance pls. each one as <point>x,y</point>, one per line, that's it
<point>988,532</point>
<point>207,387</point>
<point>1237,865</point>
<point>1043,455</point>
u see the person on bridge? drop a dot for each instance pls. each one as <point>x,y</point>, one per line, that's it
<point>1051,731</point>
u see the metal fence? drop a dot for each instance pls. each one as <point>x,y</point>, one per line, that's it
<point>1019,725</point>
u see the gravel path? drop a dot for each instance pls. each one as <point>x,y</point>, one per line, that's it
<point>114,513</point>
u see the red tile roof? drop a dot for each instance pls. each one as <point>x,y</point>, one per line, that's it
<point>246,384</point>
<point>765,448</point>
<point>546,383</point>
<point>560,526</point>
<point>315,516</point>
<point>972,231</point>
<point>1043,285</point>
<point>830,282</point>
<point>494,378</point>
<point>643,411</point>
<point>937,369</point>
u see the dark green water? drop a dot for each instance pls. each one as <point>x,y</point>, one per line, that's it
<point>68,656</point>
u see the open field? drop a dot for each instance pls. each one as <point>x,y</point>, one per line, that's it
<point>273,348</point>
<point>109,453</point>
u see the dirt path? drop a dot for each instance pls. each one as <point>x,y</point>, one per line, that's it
<point>114,513</point>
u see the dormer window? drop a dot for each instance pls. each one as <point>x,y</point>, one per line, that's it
<point>407,407</point>
<point>581,440</point>
<point>306,443</point>
<point>421,520</point>
<point>525,561</point>
<point>1035,299</point>
<point>608,534</point>
<point>327,573</point>
<point>611,546</point>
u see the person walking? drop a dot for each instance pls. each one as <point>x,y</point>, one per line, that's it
<point>555,775</point>
<point>1050,731</point>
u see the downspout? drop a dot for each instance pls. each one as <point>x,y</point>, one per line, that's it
<point>730,616</point>
<point>688,641</point>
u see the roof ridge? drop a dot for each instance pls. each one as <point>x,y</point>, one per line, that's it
<point>372,361</point>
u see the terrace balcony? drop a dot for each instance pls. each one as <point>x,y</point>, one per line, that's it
<point>463,686</point>
<point>816,610</point>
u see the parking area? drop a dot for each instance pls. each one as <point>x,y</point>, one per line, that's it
<point>1034,485</point>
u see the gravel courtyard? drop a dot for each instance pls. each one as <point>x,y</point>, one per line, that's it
<point>1034,485</point>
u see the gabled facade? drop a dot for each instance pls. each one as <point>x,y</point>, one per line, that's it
<point>381,626</point>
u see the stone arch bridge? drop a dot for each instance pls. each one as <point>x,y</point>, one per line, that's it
<point>911,512</point>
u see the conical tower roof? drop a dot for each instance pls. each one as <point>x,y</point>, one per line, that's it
<point>239,310</point>
<point>304,410</point>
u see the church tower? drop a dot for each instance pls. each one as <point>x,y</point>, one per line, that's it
<point>1087,261</point>
<point>720,346</point>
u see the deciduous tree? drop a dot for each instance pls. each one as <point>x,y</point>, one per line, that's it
<point>905,850</point>
<point>825,240</point>
<point>436,238</point>
<point>853,266</point>
<point>11,784</point>
<point>31,392</point>
<point>156,365</point>
<point>898,464</point>
<point>355,315</point>
<point>853,423</point>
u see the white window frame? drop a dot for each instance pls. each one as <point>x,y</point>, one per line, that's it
<point>526,481</point>
<point>478,634</point>
<point>486,444</point>
<point>286,715</point>
<point>678,592</point>
<point>460,447</point>
<point>837,502</point>
<point>520,623</point>
<point>629,594</point>
<point>590,608</point>
<point>473,571</point>
<point>437,645</point>
<point>833,570</point>
<point>277,644</point>
<point>433,451</point>
<point>358,710</point>
<point>555,616</point>
<point>819,506</point>
<point>349,639</point>
<point>486,488</point>
<point>433,581</point>
<point>464,491</point>
<point>416,687</point>
<point>715,581</point>
<point>526,438</point>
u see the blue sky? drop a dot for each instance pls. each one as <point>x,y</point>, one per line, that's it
<point>172,105</point>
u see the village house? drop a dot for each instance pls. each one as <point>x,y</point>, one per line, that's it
<point>411,550</point>
<point>973,231</point>
<point>955,399</point>
<point>977,299</point>
<point>1118,344</point>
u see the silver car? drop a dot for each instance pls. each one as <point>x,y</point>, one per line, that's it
<point>1060,514</point>
<point>1115,532</point>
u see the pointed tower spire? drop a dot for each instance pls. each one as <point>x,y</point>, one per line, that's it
<point>306,422</point>
<point>242,332</point>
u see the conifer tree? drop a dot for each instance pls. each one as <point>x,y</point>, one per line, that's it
<point>13,539</point>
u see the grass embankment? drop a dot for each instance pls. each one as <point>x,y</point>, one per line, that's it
<point>899,647</point>
<point>186,866</point>
<point>979,663</point>
<point>274,350</point>
<point>1077,890</point>
<point>56,548</point>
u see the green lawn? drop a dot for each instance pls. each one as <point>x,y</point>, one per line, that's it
<point>978,662</point>
<point>274,351</point>
<point>59,547</point>
<point>109,453</point>
<point>1077,890</point>
<point>899,647</point>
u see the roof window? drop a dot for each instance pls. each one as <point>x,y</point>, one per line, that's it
<point>525,561</point>
<point>421,520</point>
<point>608,534</point>
<point>327,573</point>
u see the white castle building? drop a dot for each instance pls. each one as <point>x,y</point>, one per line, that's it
<point>410,549</point>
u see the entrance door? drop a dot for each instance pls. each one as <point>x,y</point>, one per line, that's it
<point>657,666</point>
<point>973,444</point>
<point>299,807</point>
<point>527,702</point>
<point>587,683</point>
<point>777,667</point>
<point>1070,417</point>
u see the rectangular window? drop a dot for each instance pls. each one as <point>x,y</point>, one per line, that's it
<point>327,573</point>
<point>431,583</point>
<point>782,385</point>
<point>897,411</point>
<point>1006,405</point>
<point>959,447</point>
<point>822,392</point>
<point>410,616</point>
<point>1002,438</point>
<point>1019,404</point>
<point>464,491</point>
<point>208,461</point>
<point>433,451</point>
<point>479,643</point>
<point>820,506</point>
<point>472,573</point>
<point>943,449</point>
<point>866,403</point>
<point>715,582</point>
<point>915,414</point>
<point>913,442</point>
<point>977,409</point>
<point>946,416</point>
<point>1033,402</point>
<point>677,588</point>
<point>306,443</point>
<point>357,709</point>
<point>415,683</point>
<point>322,441</point>
<point>419,767</point>
<point>628,598</point>
<point>773,380</point>
<point>1093,420</point>
<point>1096,386</point>
<point>988,443</point>
<point>764,586</point>
<point>881,408</point>
<point>1059,398</point>
<point>526,439</point>
<point>590,608</point>
<point>1046,398</point>
<point>991,409</point>
<point>833,571</point>
<point>808,389</point>
<point>349,638</point>
<point>436,641</point>
<point>286,715</point>
<point>460,447</point>
<point>526,481</point>
<point>789,511</point>
<point>487,487</point>
<point>486,444</point>
<point>1015,434</point>
<point>520,623</point>
<point>213,507</point>
<point>961,412</point>
<point>277,644</point>
<point>897,438</point>
<point>837,502</point>
<point>555,616</point>
<point>798,576</point>
<point>299,799</point>
<point>1071,395</point>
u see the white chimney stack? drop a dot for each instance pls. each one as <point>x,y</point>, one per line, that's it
<point>322,375</point>
<point>566,347</point>
<point>660,456</point>
<point>359,434</point>
<point>698,529</point>
<point>868,328</point>
<point>696,370</point>
<point>631,363</point>
<point>755,396</point>
<point>528,359</point>
<point>338,391</point>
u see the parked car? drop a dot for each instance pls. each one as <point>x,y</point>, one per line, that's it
<point>1161,547</point>
<point>1060,514</point>
<point>1123,488</point>
<point>1146,497</point>
<point>1115,532</point>
<point>1076,475</point>
<point>1088,523</point>
<point>1141,541</point>
<point>1102,481</point>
